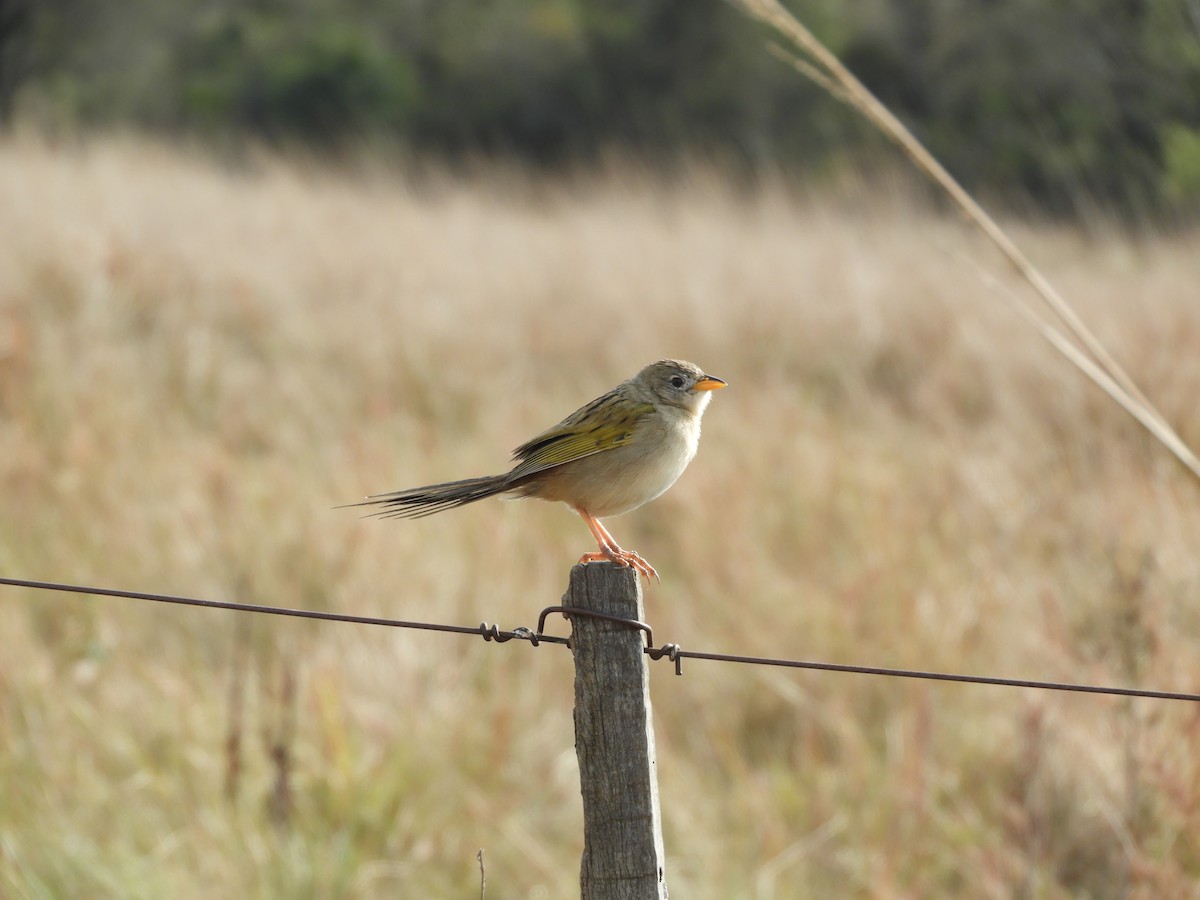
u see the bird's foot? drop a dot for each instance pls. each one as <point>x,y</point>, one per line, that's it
<point>624,559</point>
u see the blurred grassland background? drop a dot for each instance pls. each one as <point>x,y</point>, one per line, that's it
<point>1058,105</point>
<point>211,337</point>
<point>199,362</point>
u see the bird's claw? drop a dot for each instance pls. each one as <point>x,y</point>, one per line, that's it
<point>624,559</point>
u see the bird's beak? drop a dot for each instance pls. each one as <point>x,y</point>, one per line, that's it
<point>708,383</point>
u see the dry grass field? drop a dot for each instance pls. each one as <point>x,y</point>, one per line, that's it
<point>199,361</point>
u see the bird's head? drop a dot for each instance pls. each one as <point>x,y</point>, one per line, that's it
<point>678,383</point>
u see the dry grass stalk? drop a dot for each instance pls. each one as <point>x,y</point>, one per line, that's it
<point>829,73</point>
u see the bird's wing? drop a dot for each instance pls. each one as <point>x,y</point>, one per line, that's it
<point>605,423</point>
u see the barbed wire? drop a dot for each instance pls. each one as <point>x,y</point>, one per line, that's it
<point>674,652</point>
<point>488,632</point>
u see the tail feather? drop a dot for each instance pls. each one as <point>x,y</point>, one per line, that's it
<point>418,502</point>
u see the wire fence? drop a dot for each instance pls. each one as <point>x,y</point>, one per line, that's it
<point>673,652</point>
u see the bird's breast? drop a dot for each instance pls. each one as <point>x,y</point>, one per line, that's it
<point>621,479</point>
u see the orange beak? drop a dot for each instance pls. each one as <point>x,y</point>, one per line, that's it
<point>708,383</point>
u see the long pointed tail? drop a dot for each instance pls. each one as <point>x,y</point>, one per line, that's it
<point>425,501</point>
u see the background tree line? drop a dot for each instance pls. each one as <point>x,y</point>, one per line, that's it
<point>1062,103</point>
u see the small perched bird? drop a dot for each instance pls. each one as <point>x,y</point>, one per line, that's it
<point>614,454</point>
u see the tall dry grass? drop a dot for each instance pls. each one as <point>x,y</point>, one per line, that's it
<point>197,362</point>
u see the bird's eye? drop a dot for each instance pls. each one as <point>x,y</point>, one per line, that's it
<point>677,381</point>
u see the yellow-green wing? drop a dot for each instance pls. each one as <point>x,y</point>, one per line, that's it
<point>603,424</point>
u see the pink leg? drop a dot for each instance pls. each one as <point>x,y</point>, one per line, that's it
<point>609,549</point>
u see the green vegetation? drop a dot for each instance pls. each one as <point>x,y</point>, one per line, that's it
<point>1062,104</point>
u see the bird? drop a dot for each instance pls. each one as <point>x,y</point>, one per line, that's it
<point>609,457</point>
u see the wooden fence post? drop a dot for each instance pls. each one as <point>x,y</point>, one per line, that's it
<point>623,854</point>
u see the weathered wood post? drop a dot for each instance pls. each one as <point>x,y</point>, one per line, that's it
<point>623,854</point>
